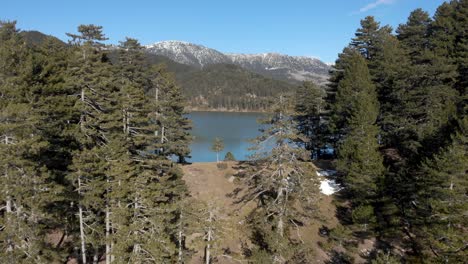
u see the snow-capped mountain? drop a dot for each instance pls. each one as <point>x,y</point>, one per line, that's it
<point>278,66</point>
<point>188,53</point>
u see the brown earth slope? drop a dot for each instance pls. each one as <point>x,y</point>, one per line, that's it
<point>209,184</point>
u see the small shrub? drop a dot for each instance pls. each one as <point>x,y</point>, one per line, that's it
<point>229,157</point>
<point>221,165</point>
<point>385,258</point>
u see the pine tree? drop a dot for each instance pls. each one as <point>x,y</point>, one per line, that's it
<point>448,39</point>
<point>91,76</point>
<point>140,174</point>
<point>366,37</point>
<point>229,157</point>
<point>280,180</point>
<point>414,34</point>
<point>391,74</point>
<point>218,146</point>
<point>430,102</point>
<point>340,99</point>
<point>54,105</point>
<point>460,16</point>
<point>309,108</point>
<point>170,114</point>
<point>358,156</point>
<point>441,201</point>
<point>25,184</point>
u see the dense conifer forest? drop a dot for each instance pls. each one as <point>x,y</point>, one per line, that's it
<point>93,138</point>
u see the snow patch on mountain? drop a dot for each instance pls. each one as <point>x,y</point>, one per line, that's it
<point>279,66</point>
<point>187,53</point>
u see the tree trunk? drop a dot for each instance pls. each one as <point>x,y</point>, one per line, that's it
<point>162,134</point>
<point>108,246</point>
<point>281,199</point>
<point>96,257</point>
<point>208,239</point>
<point>124,121</point>
<point>82,235</point>
<point>156,94</point>
<point>8,221</point>
<point>280,226</point>
<point>136,246</point>
<point>180,237</point>
<point>82,115</point>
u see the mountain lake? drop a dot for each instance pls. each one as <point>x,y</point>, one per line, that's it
<point>235,129</point>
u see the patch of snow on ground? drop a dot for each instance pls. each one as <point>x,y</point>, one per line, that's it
<point>328,186</point>
<point>325,173</point>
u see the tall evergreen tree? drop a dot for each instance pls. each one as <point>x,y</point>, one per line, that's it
<point>358,156</point>
<point>366,36</point>
<point>169,106</point>
<point>279,181</point>
<point>91,76</point>
<point>414,34</point>
<point>54,104</point>
<point>430,102</point>
<point>309,108</point>
<point>441,199</point>
<point>26,189</point>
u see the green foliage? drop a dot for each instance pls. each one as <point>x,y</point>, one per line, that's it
<point>229,157</point>
<point>363,215</point>
<point>230,87</point>
<point>282,182</point>
<point>355,113</point>
<point>414,34</point>
<point>26,187</point>
<point>217,146</point>
<point>366,36</point>
<point>85,138</point>
<point>309,106</point>
<point>385,258</point>
<point>221,165</point>
<point>409,105</point>
<point>169,112</point>
<point>340,234</point>
<point>441,191</point>
<point>79,135</point>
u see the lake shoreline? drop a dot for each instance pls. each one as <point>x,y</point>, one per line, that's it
<point>236,129</point>
<point>224,110</point>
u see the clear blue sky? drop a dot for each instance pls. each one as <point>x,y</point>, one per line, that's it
<point>319,28</point>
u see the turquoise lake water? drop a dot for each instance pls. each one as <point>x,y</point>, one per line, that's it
<point>235,129</point>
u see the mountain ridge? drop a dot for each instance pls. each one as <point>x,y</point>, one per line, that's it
<point>275,65</point>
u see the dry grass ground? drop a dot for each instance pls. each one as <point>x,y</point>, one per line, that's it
<point>209,184</point>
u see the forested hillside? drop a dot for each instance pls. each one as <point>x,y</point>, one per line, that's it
<point>89,135</point>
<point>230,87</point>
<point>214,87</point>
<point>224,86</point>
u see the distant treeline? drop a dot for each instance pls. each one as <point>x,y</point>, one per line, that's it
<point>225,86</point>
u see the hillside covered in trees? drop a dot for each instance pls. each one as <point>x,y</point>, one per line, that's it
<point>90,135</point>
<point>214,87</point>
<point>224,86</point>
